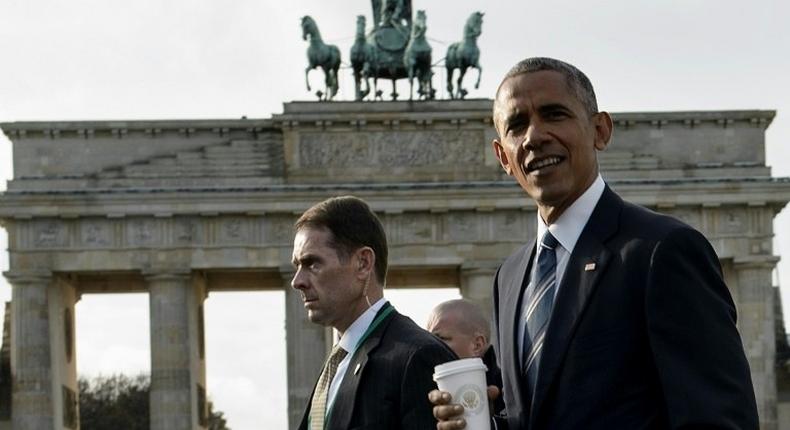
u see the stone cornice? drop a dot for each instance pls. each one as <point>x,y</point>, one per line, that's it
<point>307,107</point>
<point>362,113</point>
<point>485,106</point>
<point>396,197</point>
<point>722,117</point>
<point>400,114</point>
<point>765,262</point>
<point>390,115</point>
<point>390,186</point>
<point>26,277</point>
<point>89,128</point>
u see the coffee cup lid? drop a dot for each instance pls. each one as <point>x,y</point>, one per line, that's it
<point>458,366</point>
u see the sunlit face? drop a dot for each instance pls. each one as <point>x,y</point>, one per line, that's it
<point>332,293</point>
<point>446,326</point>
<point>547,141</point>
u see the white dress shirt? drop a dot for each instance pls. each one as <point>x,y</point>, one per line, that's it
<point>349,342</point>
<point>566,230</point>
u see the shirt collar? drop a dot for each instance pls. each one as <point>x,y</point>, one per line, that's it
<point>355,331</point>
<point>570,224</point>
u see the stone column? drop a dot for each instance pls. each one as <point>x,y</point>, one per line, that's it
<point>32,399</point>
<point>62,298</point>
<point>756,325</point>
<point>197,331</point>
<point>177,369</point>
<point>306,345</point>
<point>477,285</point>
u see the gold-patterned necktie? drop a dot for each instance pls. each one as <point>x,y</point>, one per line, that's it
<point>318,405</point>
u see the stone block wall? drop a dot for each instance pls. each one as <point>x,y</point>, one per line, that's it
<point>177,208</point>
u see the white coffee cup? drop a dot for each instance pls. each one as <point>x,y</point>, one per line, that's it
<point>465,380</point>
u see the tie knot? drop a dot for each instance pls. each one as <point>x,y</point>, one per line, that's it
<point>549,241</point>
<point>338,354</point>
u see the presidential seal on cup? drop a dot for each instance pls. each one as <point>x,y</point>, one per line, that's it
<point>465,380</point>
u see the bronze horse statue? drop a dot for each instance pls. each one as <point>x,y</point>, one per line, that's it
<point>380,53</point>
<point>395,48</point>
<point>363,61</point>
<point>319,54</point>
<point>417,59</point>
<point>464,54</point>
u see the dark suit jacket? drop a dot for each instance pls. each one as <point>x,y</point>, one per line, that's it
<point>644,340</point>
<point>494,377</point>
<point>390,388</point>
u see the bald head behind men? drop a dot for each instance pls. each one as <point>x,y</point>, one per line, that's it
<point>462,325</point>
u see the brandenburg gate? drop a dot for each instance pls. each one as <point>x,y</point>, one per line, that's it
<point>178,209</point>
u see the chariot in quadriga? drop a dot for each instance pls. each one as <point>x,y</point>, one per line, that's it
<point>395,48</point>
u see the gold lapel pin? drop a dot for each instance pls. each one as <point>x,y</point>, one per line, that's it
<point>589,267</point>
<point>356,369</point>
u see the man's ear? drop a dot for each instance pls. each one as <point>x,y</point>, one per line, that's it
<point>499,151</point>
<point>479,345</point>
<point>603,130</point>
<point>365,261</point>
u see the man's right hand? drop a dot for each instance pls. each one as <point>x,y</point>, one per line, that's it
<point>449,415</point>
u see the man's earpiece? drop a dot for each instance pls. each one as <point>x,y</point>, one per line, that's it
<point>365,291</point>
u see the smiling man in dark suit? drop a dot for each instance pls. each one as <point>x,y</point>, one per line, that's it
<point>614,317</point>
<point>379,371</point>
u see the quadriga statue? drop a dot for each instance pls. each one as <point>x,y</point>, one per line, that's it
<point>396,48</point>
<point>319,54</point>
<point>463,55</point>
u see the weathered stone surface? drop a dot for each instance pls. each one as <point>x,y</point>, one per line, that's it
<point>112,204</point>
<point>394,149</point>
<point>756,324</point>
<point>176,364</point>
<point>31,361</point>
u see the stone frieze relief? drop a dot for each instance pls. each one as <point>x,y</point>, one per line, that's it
<point>392,149</point>
<point>409,228</point>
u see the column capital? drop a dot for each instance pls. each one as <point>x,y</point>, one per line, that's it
<point>167,275</point>
<point>21,277</point>
<point>755,262</point>
<point>484,267</point>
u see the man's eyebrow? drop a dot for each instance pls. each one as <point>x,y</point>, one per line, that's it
<point>551,107</point>
<point>514,117</point>
<point>306,258</point>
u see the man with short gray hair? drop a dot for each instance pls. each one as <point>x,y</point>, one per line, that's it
<point>463,326</point>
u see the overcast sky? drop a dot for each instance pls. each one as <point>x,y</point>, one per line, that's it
<point>146,59</point>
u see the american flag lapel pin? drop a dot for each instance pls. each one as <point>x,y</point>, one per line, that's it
<point>589,267</point>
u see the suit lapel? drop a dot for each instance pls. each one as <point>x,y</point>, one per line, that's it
<point>514,287</point>
<point>306,413</point>
<point>585,268</point>
<point>343,407</point>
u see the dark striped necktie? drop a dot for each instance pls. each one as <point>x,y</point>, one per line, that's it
<point>539,298</point>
